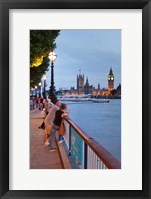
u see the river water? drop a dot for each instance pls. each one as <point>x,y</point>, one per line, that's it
<point>101,121</point>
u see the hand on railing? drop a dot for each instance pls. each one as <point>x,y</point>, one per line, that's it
<point>64,115</point>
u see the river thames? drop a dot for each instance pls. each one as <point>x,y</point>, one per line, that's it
<point>101,121</point>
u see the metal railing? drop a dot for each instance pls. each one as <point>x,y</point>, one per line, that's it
<point>85,152</point>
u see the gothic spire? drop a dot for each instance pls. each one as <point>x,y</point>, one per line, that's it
<point>111,72</point>
<point>87,80</point>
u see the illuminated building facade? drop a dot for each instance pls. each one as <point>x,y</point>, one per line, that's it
<point>86,88</point>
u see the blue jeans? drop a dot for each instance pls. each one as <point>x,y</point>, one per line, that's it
<point>52,136</point>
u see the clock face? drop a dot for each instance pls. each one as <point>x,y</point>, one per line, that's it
<point>112,78</point>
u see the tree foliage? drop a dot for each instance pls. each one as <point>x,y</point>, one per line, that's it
<point>41,42</point>
<point>36,73</point>
<point>114,92</point>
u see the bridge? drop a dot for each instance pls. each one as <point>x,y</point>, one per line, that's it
<point>78,151</point>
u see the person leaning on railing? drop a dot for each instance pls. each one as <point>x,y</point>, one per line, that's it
<point>49,119</point>
<point>60,114</point>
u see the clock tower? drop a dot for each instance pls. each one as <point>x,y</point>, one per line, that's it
<point>110,81</point>
<point>80,84</point>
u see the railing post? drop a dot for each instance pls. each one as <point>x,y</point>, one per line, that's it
<point>85,155</point>
<point>69,140</point>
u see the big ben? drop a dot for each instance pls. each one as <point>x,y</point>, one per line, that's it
<point>110,81</point>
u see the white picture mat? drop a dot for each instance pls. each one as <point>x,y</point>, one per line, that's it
<point>127,178</point>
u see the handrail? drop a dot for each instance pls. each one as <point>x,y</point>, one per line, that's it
<point>106,157</point>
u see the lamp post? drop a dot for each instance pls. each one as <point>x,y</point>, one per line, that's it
<point>44,93</point>
<point>36,91</point>
<point>52,56</point>
<point>32,99</point>
<point>32,92</point>
<point>39,89</point>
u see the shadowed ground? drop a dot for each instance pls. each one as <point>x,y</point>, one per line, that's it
<point>40,156</point>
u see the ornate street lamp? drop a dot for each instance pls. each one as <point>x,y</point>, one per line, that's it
<point>52,56</point>
<point>39,89</point>
<point>44,93</point>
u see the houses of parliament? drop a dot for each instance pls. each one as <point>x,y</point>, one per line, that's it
<point>86,88</point>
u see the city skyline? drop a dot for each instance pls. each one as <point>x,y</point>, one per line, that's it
<point>89,52</point>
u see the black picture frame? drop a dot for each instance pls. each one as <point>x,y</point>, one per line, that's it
<point>5,5</point>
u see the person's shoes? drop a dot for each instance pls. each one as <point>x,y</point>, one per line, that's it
<point>46,143</point>
<point>60,141</point>
<point>53,149</point>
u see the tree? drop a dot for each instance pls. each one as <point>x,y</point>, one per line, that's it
<point>41,42</point>
<point>36,73</point>
<point>113,92</point>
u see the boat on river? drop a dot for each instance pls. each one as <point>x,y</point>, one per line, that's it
<point>101,101</point>
<point>82,99</point>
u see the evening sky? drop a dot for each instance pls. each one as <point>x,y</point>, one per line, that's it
<point>93,52</point>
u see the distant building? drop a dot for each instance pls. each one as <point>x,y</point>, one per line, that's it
<point>119,90</point>
<point>104,92</point>
<point>110,81</point>
<point>86,88</point>
<point>80,84</point>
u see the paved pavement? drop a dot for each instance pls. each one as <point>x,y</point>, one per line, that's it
<point>40,156</point>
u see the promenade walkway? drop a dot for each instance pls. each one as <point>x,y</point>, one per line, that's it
<point>40,156</point>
